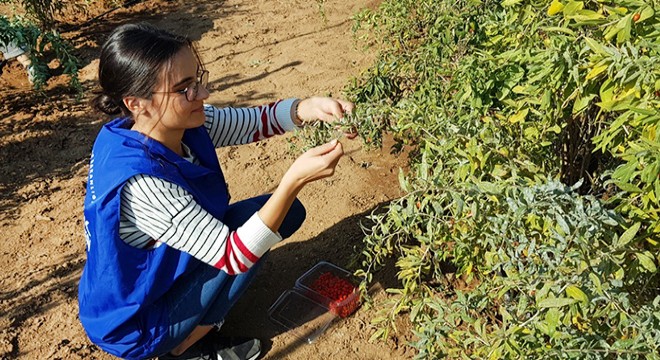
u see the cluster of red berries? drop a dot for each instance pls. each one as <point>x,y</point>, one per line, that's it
<point>342,293</point>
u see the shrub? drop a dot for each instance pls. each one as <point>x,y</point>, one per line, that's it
<point>500,101</point>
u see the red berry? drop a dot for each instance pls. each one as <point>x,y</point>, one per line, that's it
<point>338,290</point>
<point>636,17</point>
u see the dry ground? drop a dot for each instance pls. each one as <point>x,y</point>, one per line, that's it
<point>256,52</point>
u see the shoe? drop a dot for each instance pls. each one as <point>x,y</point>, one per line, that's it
<point>223,349</point>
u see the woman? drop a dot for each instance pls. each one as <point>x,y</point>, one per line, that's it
<point>167,256</point>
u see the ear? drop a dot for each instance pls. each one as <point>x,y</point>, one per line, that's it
<point>136,105</point>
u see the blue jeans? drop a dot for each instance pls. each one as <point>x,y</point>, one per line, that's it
<point>205,296</point>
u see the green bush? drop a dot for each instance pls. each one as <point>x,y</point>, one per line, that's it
<point>499,100</point>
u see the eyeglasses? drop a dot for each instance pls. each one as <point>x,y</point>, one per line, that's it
<point>191,90</point>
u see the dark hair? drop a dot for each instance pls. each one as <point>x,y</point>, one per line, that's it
<point>131,60</point>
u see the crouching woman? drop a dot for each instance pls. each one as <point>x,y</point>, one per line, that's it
<point>167,254</point>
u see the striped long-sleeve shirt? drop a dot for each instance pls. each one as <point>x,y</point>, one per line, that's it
<point>156,212</point>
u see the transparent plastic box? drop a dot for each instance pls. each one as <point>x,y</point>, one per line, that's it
<point>331,286</point>
<point>321,295</point>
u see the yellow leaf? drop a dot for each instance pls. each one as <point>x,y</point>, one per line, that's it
<point>651,133</point>
<point>519,116</point>
<point>555,8</point>
<point>597,70</point>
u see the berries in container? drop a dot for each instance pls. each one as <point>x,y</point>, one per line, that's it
<point>320,296</point>
<point>331,286</point>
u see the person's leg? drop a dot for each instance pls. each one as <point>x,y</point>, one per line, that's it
<point>203,298</point>
<point>197,334</point>
<point>239,212</point>
<point>187,318</point>
<point>188,301</point>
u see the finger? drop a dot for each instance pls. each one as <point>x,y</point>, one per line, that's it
<point>347,106</point>
<point>328,117</point>
<point>333,112</point>
<point>323,149</point>
<point>335,154</point>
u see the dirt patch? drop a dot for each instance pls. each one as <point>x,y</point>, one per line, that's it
<point>256,52</point>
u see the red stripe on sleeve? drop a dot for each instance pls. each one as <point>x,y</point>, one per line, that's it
<point>242,267</point>
<point>264,118</point>
<point>264,123</point>
<point>244,250</point>
<point>223,262</point>
<point>230,269</point>
<point>276,124</point>
<point>220,264</point>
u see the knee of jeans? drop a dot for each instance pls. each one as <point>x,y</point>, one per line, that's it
<point>299,210</point>
<point>294,219</point>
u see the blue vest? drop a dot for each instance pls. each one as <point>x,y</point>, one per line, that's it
<point>120,284</point>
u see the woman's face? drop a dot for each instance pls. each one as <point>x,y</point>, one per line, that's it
<point>169,101</point>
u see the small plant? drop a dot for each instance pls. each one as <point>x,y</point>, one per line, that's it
<point>368,122</point>
<point>38,44</point>
<point>36,33</point>
<point>320,4</point>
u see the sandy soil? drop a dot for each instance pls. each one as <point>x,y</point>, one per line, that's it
<point>256,52</point>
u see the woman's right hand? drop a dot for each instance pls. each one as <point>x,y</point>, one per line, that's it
<point>316,163</point>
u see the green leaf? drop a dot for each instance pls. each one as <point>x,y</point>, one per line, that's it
<point>555,7</point>
<point>646,260</point>
<point>607,91</point>
<point>563,225</point>
<point>646,13</point>
<point>586,15</point>
<point>614,29</point>
<point>596,46</point>
<point>577,294</point>
<point>552,319</point>
<point>624,34</point>
<point>627,187</point>
<point>510,2</point>
<point>572,7</point>
<point>556,302</point>
<point>597,284</point>
<point>628,235</point>
<point>560,29</point>
<point>403,182</point>
<point>582,103</point>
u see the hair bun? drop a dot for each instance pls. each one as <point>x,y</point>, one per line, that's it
<point>104,103</point>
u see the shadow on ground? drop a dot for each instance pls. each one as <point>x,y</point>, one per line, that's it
<point>338,245</point>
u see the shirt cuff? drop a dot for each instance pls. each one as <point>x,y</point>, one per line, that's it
<point>256,236</point>
<point>284,114</point>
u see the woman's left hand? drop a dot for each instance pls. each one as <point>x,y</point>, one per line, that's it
<point>325,109</point>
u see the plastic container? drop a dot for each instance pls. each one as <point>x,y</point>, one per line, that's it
<point>321,295</point>
<point>331,286</point>
<point>302,315</point>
